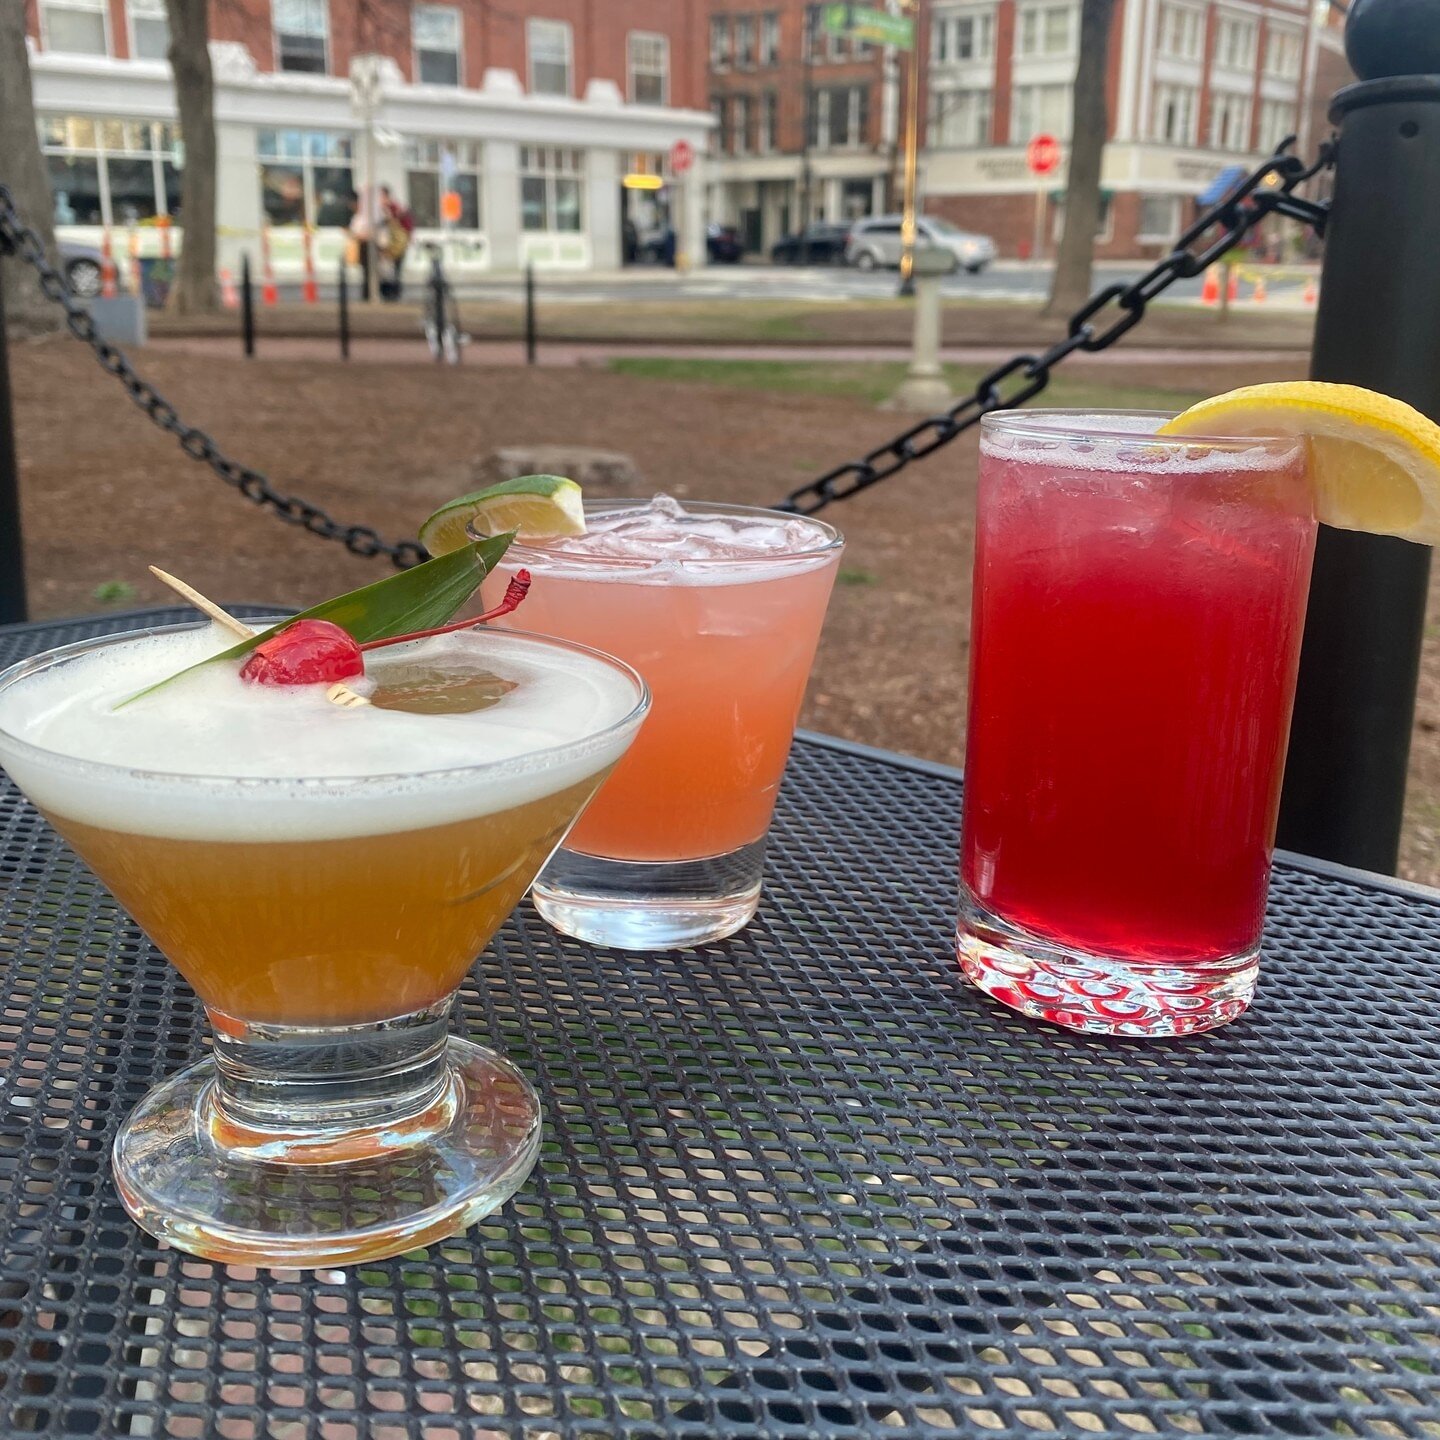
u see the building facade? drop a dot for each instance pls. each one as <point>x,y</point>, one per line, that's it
<point>806,121</point>
<point>533,113</point>
<point>1193,87</point>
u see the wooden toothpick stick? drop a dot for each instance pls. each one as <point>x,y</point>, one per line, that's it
<point>236,627</point>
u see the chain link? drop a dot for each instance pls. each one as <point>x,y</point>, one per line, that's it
<point>1268,189</point>
<point>18,239</point>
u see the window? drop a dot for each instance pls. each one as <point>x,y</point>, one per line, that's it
<point>649,59</point>
<point>551,190</point>
<point>1047,30</point>
<point>1040,110</point>
<point>1277,120</point>
<point>769,39</point>
<point>75,26</point>
<point>1173,120</point>
<point>302,33</point>
<point>769,132</point>
<point>1182,32</point>
<point>435,33</point>
<point>719,41</point>
<point>740,124</point>
<point>1235,43</point>
<point>1229,121</point>
<point>306,176</point>
<point>149,30</point>
<point>1159,217</point>
<point>720,135</point>
<point>960,117</point>
<point>549,46</point>
<point>744,42</point>
<point>434,166</point>
<point>110,172</point>
<point>963,37</point>
<point>839,116</point>
<point>1282,53</point>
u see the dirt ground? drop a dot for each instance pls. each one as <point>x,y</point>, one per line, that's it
<point>105,494</point>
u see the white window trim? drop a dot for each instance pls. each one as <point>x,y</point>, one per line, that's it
<point>102,9</point>
<point>478,171</point>
<point>130,30</point>
<point>1176,209</point>
<point>1194,10</point>
<point>569,29</point>
<point>459,45</point>
<point>1039,7</point>
<point>1236,17</point>
<point>275,41</point>
<point>630,64</point>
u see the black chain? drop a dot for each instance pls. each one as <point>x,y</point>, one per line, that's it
<point>1269,189</point>
<point>18,239</point>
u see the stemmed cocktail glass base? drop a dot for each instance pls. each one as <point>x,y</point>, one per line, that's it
<point>1095,993</point>
<point>303,1147</point>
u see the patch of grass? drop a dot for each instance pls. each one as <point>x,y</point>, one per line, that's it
<point>113,592</point>
<point>853,575</point>
<point>873,381</point>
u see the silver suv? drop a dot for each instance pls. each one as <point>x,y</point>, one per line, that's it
<point>876,241</point>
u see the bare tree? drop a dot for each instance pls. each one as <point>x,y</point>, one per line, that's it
<point>23,171</point>
<point>1074,262</point>
<point>194,292</point>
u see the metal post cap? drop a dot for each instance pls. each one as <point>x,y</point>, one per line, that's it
<point>1393,37</point>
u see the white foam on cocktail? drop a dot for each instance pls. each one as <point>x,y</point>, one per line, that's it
<point>284,763</point>
<point>663,542</point>
<point>1088,442</point>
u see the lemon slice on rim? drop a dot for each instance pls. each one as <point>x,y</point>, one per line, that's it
<point>534,506</point>
<point>1374,460</point>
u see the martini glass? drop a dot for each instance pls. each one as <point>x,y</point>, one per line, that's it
<point>326,922</point>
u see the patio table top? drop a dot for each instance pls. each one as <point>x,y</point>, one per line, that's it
<point>805,1182</point>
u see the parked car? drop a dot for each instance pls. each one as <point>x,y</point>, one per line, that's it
<point>822,243</point>
<point>82,266</point>
<point>722,243</point>
<point>875,241</point>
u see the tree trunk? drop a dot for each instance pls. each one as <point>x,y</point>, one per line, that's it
<point>22,170</point>
<point>1071,283</point>
<point>194,292</point>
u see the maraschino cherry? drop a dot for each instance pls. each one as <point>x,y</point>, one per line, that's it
<point>316,652</point>
<point>309,652</point>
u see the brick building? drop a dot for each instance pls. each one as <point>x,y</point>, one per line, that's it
<point>1194,87</point>
<point>532,111</point>
<point>806,120</point>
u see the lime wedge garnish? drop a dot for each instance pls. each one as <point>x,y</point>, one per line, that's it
<point>534,506</point>
<point>1374,461</point>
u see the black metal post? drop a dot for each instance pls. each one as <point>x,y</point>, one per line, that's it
<point>247,308</point>
<point>343,292</point>
<point>529,314</point>
<point>1377,326</point>
<point>12,546</point>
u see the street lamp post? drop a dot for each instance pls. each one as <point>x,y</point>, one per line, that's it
<point>912,156</point>
<point>365,97</point>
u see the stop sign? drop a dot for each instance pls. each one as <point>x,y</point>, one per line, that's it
<point>1042,154</point>
<point>682,157</point>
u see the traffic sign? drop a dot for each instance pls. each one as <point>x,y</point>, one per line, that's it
<point>1042,154</point>
<point>682,157</point>
<point>864,22</point>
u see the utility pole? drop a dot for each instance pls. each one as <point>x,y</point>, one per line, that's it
<point>809,38</point>
<point>912,155</point>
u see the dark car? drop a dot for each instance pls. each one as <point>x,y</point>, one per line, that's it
<point>820,244</point>
<point>722,242</point>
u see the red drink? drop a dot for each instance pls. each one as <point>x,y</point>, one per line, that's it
<point>1137,614</point>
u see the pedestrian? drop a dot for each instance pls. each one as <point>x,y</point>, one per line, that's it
<point>397,224</point>
<point>359,250</point>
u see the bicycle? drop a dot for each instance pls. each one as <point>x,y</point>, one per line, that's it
<point>442,311</point>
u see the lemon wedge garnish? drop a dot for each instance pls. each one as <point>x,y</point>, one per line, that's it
<point>1374,460</point>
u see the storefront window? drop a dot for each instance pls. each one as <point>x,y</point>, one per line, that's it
<point>306,177</point>
<point>551,189</point>
<point>110,172</point>
<point>434,166</point>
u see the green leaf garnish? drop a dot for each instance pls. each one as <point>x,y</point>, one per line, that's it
<point>422,598</point>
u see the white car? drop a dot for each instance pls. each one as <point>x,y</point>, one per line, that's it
<point>875,242</point>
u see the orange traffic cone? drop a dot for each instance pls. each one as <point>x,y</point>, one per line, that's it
<point>1312,292</point>
<point>134,261</point>
<point>229,296</point>
<point>269,294</point>
<point>107,267</point>
<point>1260,296</point>
<point>1210,291</point>
<point>310,291</point>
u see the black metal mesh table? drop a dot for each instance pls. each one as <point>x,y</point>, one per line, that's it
<point>802,1183</point>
